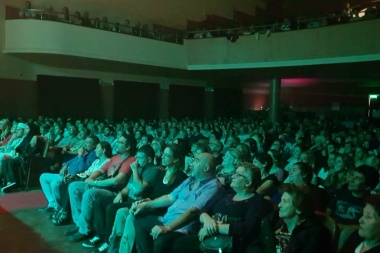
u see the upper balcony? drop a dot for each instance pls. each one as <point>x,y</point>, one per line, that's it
<point>346,43</point>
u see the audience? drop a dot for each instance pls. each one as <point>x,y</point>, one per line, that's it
<point>154,233</point>
<point>83,194</point>
<point>50,183</point>
<point>237,213</point>
<point>169,178</point>
<point>347,177</point>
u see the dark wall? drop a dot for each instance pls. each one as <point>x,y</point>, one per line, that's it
<point>17,98</point>
<point>228,102</point>
<point>69,97</point>
<point>135,100</point>
<point>186,101</point>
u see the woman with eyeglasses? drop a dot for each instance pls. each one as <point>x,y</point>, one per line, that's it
<point>237,213</point>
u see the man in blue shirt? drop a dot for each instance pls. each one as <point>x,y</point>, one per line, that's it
<point>184,203</point>
<point>50,182</point>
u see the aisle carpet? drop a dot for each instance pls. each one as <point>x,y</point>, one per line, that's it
<point>23,229</point>
<point>21,200</point>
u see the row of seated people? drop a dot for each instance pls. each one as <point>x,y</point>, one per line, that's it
<point>236,210</point>
<point>348,14</point>
<point>84,20</point>
<point>348,147</point>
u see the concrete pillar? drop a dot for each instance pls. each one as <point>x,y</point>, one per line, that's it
<point>209,103</point>
<point>275,86</point>
<point>163,101</point>
<point>107,90</point>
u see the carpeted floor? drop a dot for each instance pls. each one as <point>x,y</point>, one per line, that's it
<point>22,200</point>
<point>23,229</point>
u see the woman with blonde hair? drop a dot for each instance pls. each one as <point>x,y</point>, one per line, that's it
<point>231,160</point>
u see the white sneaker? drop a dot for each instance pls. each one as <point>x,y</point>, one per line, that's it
<point>8,187</point>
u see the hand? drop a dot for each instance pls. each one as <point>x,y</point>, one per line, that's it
<point>64,151</point>
<point>141,201</point>
<point>137,208</point>
<point>157,230</point>
<point>63,171</point>
<point>81,151</point>
<point>68,178</point>
<point>134,166</point>
<point>210,225</point>
<point>118,198</point>
<point>202,234</point>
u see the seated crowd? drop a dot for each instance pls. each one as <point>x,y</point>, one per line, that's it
<point>245,185</point>
<point>26,11</point>
<point>207,29</point>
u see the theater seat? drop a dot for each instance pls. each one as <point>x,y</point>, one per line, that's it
<point>345,232</point>
<point>38,164</point>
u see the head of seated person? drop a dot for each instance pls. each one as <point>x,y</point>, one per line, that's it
<point>203,166</point>
<point>369,228</point>
<point>301,174</point>
<point>363,179</point>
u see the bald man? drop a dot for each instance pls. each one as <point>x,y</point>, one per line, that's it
<point>156,234</point>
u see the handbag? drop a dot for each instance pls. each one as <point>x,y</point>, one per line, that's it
<point>217,243</point>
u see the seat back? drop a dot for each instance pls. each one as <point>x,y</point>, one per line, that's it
<point>332,227</point>
<point>345,232</point>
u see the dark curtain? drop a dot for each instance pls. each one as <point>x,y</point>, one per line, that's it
<point>186,101</point>
<point>69,97</point>
<point>228,102</point>
<point>135,100</point>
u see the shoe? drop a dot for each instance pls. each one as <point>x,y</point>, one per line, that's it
<point>9,187</point>
<point>54,215</point>
<point>71,231</point>
<point>92,243</point>
<point>61,218</point>
<point>102,249</point>
<point>47,209</point>
<point>77,237</point>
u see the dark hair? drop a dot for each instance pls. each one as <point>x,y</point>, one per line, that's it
<point>94,138</point>
<point>131,142</point>
<point>184,143</point>
<point>177,154</point>
<point>245,153</point>
<point>107,147</point>
<point>306,171</point>
<point>266,159</point>
<point>301,197</point>
<point>255,174</point>
<point>348,161</point>
<point>147,150</point>
<point>252,145</point>
<point>374,200</point>
<point>371,175</point>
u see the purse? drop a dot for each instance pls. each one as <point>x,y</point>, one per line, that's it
<point>217,243</point>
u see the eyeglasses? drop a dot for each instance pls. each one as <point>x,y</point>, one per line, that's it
<point>240,175</point>
<point>167,155</point>
<point>358,178</point>
<point>227,155</point>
